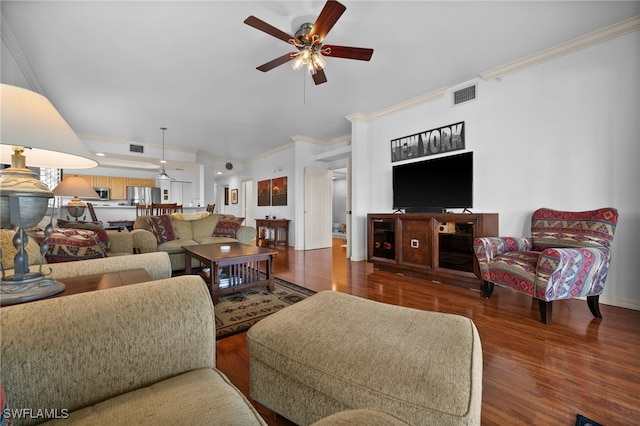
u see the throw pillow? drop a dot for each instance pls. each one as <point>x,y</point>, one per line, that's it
<point>160,226</point>
<point>9,251</point>
<point>66,245</point>
<point>227,226</point>
<point>97,227</point>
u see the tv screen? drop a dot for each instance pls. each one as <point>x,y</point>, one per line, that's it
<point>434,185</point>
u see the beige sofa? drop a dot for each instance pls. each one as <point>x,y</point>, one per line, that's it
<point>120,244</point>
<point>142,354</point>
<point>156,264</point>
<point>187,233</point>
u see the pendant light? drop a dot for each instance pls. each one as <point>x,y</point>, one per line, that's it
<point>163,175</point>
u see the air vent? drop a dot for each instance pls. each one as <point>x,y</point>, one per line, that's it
<point>136,148</point>
<point>464,95</point>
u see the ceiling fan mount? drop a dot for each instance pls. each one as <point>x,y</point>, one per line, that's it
<point>309,40</point>
<point>303,31</point>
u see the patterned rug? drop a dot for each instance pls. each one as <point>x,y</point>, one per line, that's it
<point>237,312</point>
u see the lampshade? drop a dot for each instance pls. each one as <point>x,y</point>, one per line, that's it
<point>30,120</point>
<point>76,187</point>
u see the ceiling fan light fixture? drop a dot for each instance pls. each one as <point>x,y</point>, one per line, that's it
<point>297,63</point>
<point>318,61</point>
<point>309,57</point>
<point>311,69</point>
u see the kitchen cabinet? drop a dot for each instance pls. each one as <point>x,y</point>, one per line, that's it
<point>101,181</point>
<point>118,187</point>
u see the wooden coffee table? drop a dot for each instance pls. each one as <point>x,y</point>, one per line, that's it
<point>234,270</point>
<point>86,283</point>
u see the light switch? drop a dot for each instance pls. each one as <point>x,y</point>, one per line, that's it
<point>415,243</point>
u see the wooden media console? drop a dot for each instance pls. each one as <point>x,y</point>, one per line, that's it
<point>434,246</point>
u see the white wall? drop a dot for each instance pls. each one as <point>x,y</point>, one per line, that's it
<point>273,165</point>
<point>563,135</point>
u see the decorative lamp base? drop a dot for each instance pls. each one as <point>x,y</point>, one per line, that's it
<point>31,287</point>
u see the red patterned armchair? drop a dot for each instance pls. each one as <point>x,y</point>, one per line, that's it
<point>567,256</point>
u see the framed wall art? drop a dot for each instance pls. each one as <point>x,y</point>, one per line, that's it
<point>234,196</point>
<point>264,192</point>
<point>279,191</point>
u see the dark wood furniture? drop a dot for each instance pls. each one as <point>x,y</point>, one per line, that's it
<point>143,210</point>
<point>119,224</point>
<point>270,232</point>
<point>232,270</point>
<point>433,246</point>
<point>165,208</point>
<point>86,283</point>
<point>92,212</point>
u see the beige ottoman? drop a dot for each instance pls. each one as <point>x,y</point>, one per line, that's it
<point>333,352</point>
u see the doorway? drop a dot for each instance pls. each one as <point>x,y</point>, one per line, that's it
<point>339,211</point>
<point>246,203</point>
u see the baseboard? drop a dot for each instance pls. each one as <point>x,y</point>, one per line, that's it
<point>621,303</point>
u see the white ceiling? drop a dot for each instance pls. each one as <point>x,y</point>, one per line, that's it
<point>121,70</point>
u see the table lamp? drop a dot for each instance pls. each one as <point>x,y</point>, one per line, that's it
<point>33,128</point>
<point>76,187</point>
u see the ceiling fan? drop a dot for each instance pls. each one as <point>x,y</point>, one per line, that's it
<point>308,40</point>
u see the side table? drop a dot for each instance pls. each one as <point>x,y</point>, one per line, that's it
<point>270,231</point>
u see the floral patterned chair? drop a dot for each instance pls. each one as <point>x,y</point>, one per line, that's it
<point>567,256</point>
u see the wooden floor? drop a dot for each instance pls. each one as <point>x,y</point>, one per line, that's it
<point>533,374</point>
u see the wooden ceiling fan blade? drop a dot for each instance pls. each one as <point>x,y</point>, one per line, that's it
<point>329,15</point>
<point>259,24</point>
<point>358,53</point>
<point>319,77</point>
<point>276,62</point>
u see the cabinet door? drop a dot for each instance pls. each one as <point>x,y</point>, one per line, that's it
<point>417,242</point>
<point>118,188</point>
<point>151,183</point>
<point>102,181</point>
<point>133,181</point>
<point>382,239</point>
<point>88,178</point>
<point>455,245</point>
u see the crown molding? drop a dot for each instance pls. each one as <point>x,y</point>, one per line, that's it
<point>600,36</point>
<point>427,97</point>
<point>270,152</point>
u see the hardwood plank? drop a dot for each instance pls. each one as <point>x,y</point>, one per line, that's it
<point>533,374</point>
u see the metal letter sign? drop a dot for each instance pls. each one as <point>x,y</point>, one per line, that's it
<point>431,142</point>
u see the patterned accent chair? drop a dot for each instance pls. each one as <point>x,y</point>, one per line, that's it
<point>567,256</point>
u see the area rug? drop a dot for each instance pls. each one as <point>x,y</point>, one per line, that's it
<point>237,312</point>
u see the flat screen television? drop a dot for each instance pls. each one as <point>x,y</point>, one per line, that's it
<point>432,186</point>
